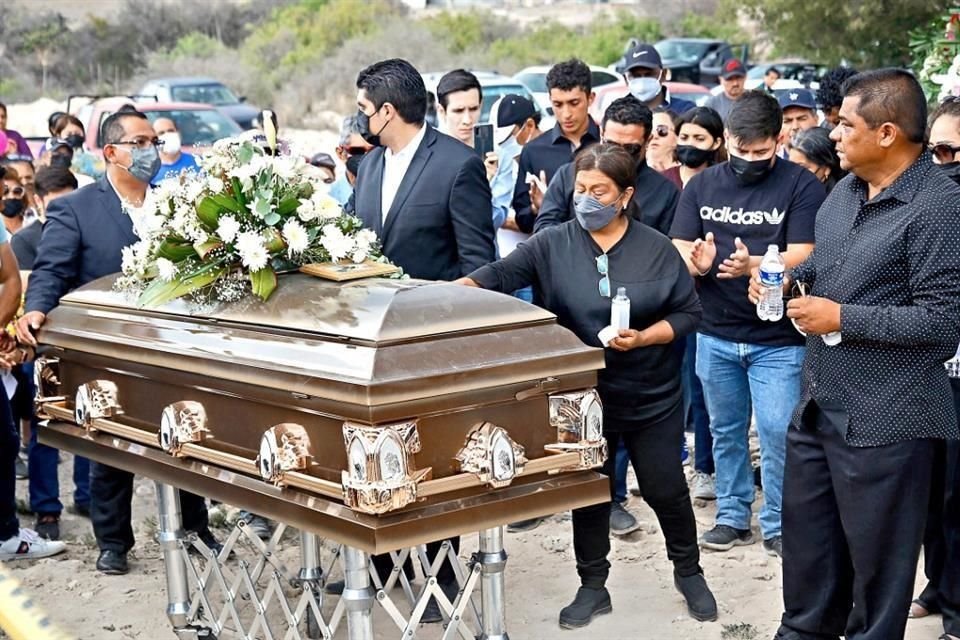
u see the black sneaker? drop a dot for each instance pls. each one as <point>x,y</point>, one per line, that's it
<point>724,538</point>
<point>206,536</point>
<point>48,526</point>
<point>23,472</point>
<point>585,606</point>
<point>334,587</point>
<point>524,525</point>
<point>774,546</point>
<point>622,521</point>
<point>701,604</point>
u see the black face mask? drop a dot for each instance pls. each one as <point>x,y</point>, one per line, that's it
<point>952,169</point>
<point>75,140</point>
<point>693,157</point>
<point>353,163</point>
<point>12,208</point>
<point>363,126</point>
<point>750,171</point>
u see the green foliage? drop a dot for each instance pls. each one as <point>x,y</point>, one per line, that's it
<point>196,45</point>
<point>722,25</point>
<point>865,33</point>
<point>468,32</point>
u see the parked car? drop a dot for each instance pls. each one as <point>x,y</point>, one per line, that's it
<point>204,91</point>
<point>799,73</point>
<point>535,79</point>
<point>494,87</point>
<point>200,125</point>
<point>695,93</point>
<point>697,60</point>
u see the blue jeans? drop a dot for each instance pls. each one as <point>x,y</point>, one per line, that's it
<point>732,373</point>
<point>44,483</point>
<point>620,473</point>
<point>525,294</point>
<point>695,409</point>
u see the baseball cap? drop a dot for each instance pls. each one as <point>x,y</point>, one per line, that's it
<point>733,68</point>
<point>797,98</point>
<point>642,55</point>
<point>507,112</point>
<point>323,160</point>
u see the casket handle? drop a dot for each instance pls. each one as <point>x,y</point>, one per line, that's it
<point>547,385</point>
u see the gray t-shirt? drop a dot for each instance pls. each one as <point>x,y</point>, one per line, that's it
<point>721,104</point>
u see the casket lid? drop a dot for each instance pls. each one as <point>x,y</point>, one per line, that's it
<point>378,311</point>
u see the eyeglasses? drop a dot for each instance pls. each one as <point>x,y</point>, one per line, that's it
<point>944,152</point>
<point>662,130</point>
<point>16,192</point>
<point>603,268</point>
<point>140,143</point>
<point>632,148</point>
<point>353,151</point>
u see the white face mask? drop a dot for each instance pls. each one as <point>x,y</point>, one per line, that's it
<point>645,89</point>
<point>170,142</point>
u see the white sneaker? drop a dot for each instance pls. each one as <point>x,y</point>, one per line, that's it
<point>30,546</point>
<point>704,486</point>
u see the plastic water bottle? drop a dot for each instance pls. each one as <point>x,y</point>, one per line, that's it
<point>770,307</point>
<point>620,310</point>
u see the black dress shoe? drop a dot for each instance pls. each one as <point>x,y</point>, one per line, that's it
<point>701,604</point>
<point>112,563</point>
<point>587,604</point>
<point>206,536</point>
<point>334,587</point>
<point>432,613</point>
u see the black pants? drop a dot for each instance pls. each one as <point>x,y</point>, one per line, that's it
<point>111,491</point>
<point>852,527</point>
<point>941,542</point>
<point>445,574</point>
<point>652,448</point>
<point>9,450</point>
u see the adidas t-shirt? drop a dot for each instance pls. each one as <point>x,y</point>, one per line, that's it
<point>778,210</point>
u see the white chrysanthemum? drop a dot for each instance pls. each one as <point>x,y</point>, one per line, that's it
<point>128,260</point>
<point>253,253</point>
<point>227,228</point>
<point>296,237</point>
<point>287,167</point>
<point>168,270</point>
<point>365,238</point>
<point>337,245</point>
<point>326,207</point>
<point>359,256</point>
<point>214,184</point>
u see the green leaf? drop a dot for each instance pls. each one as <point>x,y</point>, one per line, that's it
<point>288,206</point>
<point>272,218</point>
<point>175,251</point>
<point>227,202</point>
<point>208,211</point>
<point>264,282</point>
<point>203,249</point>
<point>238,193</point>
<point>160,292</point>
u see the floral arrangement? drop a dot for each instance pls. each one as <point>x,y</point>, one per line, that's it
<point>937,56</point>
<point>226,232</point>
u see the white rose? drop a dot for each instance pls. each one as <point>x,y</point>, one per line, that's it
<point>306,211</point>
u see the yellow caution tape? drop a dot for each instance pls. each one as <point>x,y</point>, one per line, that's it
<point>20,617</point>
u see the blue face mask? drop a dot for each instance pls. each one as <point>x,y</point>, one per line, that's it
<point>145,163</point>
<point>593,214</point>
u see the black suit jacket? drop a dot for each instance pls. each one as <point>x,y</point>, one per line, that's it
<point>440,225</point>
<point>82,240</point>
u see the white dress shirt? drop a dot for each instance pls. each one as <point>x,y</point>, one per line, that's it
<point>395,166</point>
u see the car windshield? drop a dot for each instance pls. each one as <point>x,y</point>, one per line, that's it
<point>494,92</point>
<point>198,127</point>
<point>215,94</point>
<point>680,50</point>
<point>536,82</point>
<point>757,72</point>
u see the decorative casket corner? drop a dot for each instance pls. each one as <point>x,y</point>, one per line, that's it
<point>46,384</point>
<point>96,400</point>
<point>578,418</point>
<point>381,474</point>
<point>284,448</point>
<point>181,423</point>
<point>491,455</point>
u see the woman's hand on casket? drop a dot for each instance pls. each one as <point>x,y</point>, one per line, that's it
<point>27,324</point>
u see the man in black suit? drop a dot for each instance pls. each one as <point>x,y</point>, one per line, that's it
<point>424,193</point>
<point>82,240</point>
<point>427,197</point>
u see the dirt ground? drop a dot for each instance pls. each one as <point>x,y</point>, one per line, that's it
<point>541,578</point>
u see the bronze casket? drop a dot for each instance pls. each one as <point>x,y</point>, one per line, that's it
<point>379,413</point>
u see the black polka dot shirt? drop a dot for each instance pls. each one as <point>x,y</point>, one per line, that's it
<point>893,264</point>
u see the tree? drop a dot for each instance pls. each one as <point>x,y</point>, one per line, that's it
<point>41,37</point>
<point>864,33</point>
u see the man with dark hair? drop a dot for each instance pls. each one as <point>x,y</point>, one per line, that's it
<point>82,240</point>
<point>428,199</point>
<point>885,277</point>
<point>770,79</point>
<point>644,73</point>
<point>571,95</point>
<point>830,94</point>
<point>626,122</point>
<point>732,79</point>
<point>737,210</point>
<point>459,97</point>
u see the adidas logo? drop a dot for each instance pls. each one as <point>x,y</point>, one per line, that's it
<point>739,216</point>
